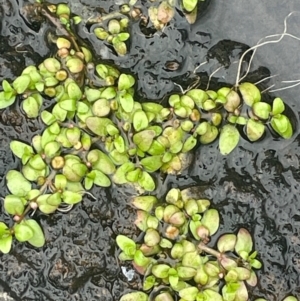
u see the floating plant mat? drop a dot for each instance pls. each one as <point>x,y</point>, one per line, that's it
<point>254,187</point>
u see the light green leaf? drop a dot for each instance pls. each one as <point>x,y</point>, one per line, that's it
<point>135,296</point>
<point>70,197</point>
<point>23,232</point>
<point>13,204</point>
<point>38,238</point>
<point>146,181</point>
<point>5,101</point>
<point>144,139</point>
<point>5,238</point>
<point>278,106</point>
<point>125,82</point>
<point>229,139</point>
<point>17,184</point>
<point>19,148</point>
<point>68,105</point>
<point>152,163</point>
<point>189,5</point>
<point>140,120</point>
<point>120,176</point>
<point>126,102</point>
<point>99,178</point>
<point>21,83</point>
<point>98,125</point>
<point>126,244</point>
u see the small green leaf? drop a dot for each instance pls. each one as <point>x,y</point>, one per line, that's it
<point>126,244</point>
<point>68,105</point>
<point>5,238</point>
<point>140,120</point>
<point>144,139</point>
<point>99,178</point>
<point>98,125</point>
<point>189,293</point>
<point>47,117</point>
<point>211,220</point>
<point>146,181</point>
<point>119,144</point>
<point>17,184</point>
<point>152,163</point>
<point>23,232</point>
<point>54,199</point>
<point>148,283</point>
<point>101,161</point>
<point>19,148</point>
<point>145,202</point>
<point>278,106</point>
<point>6,101</point>
<point>140,259</point>
<point>160,270</point>
<point>229,139</point>
<point>189,5</point>
<point>44,206</point>
<point>21,83</point>
<point>120,175</point>
<point>38,238</point>
<point>135,296</point>
<point>254,130</point>
<point>126,102</point>
<point>282,126</point>
<point>13,204</point>
<point>125,82</point>
<point>70,197</point>
<point>261,110</point>
<point>74,91</point>
<point>226,243</point>
<point>250,93</point>
<point>37,162</point>
<point>244,241</point>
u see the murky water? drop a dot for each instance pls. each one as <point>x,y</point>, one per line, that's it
<point>256,186</point>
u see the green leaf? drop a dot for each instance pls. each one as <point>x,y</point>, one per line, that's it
<point>21,83</point>
<point>189,144</point>
<point>17,184</point>
<point>19,148</point>
<point>120,175</point>
<point>244,241</point>
<point>229,139</point>
<point>278,106</point>
<point>47,117</point>
<point>126,244</point>
<point>37,162</point>
<point>211,220</point>
<point>125,82</point>
<point>189,293</point>
<point>101,161</point>
<point>189,5</point>
<point>282,126</point>
<point>68,105</point>
<point>226,242</point>
<point>6,86</point>
<point>149,282</point>
<point>38,238</point>
<point>140,120</point>
<point>99,178</point>
<point>135,296</point>
<point>32,174</point>
<point>254,130</point>
<point>146,181</point>
<point>119,144</point>
<point>144,139</point>
<point>152,163</point>
<point>145,202</point>
<point>13,204</point>
<point>160,270</point>
<point>250,93</point>
<point>74,91</point>
<point>23,232</point>
<point>6,101</point>
<point>70,197</point>
<point>54,199</point>
<point>98,125</point>
<point>5,238</point>
<point>44,206</point>
<point>126,102</point>
<point>140,259</point>
<point>261,110</point>
<point>124,36</point>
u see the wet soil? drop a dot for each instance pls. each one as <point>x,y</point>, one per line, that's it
<point>257,186</point>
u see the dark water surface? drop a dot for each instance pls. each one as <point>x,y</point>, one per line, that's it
<point>257,186</point>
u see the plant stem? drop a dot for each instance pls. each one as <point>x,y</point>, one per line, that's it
<point>203,247</point>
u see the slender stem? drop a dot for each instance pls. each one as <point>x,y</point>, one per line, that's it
<point>203,247</point>
<point>104,18</point>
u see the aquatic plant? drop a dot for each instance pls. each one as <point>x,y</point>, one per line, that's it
<point>97,134</point>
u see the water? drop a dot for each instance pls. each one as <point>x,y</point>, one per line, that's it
<point>256,186</point>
